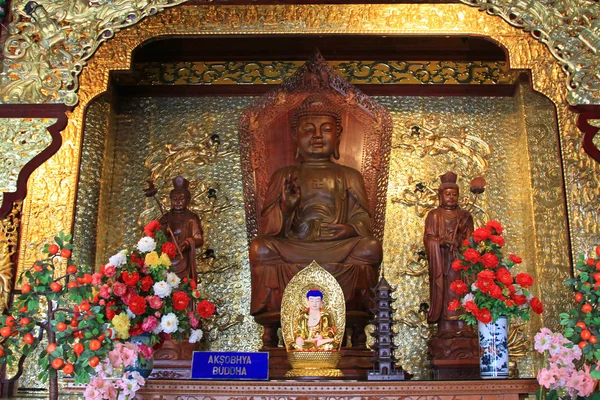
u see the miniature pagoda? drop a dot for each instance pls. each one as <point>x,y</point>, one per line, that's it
<point>384,365</point>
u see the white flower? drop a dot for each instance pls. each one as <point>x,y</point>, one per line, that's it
<point>118,259</point>
<point>195,336</point>
<point>173,280</point>
<point>169,323</point>
<point>130,313</point>
<point>146,244</point>
<point>157,330</point>
<point>162,289</point>
<point>474,287</point>
<point>468,297</point>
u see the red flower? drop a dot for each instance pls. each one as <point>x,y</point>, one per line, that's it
<point>146,283</point>
<point>496,292</point>
<point>205,309</point>
<point>169,249</point>
<point>137,260</point>
<point>485,285</point>
<point>515,259</point>
<point>129,278</point>
<point>466,243</point>
<point>499,240</point>
<point>590,262</point>
<point>536,305</point>
<point>193,284</point>
<point>459,287</point>
<point>110,312</point>
<point>495,225</point>
<point>137,305</point>
<point>151,228</point>
<point>180,301</point>
<point>489,260</point>
<point>472,256</point>
<point>481,234</point>
<point>504,276</point>
<point>525,280</point>
<point>486,274</point>
<point>457,265</point>
<point>509,303</point>
<point>136,330</point>
<point>471,307</point>
<point>484,316</point>
<point>453,305</point>
<point>519,299</point>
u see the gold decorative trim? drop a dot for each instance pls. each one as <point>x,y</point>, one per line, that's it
<point>65,35</point>
<point>9,239</point>
<point>21,139</point>
<point>569,29</point>
<point>355,72</point>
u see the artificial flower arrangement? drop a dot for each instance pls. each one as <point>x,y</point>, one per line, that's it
<point>141,296</point>
<point>495,292</point>
<point>573,360</point>
<point>77,340</point>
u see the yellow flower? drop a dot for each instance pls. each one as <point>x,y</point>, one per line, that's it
<point>165,260</point>
<point>121,324</point>
<point>152,259</point>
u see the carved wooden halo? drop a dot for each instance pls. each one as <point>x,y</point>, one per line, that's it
<point>293,302</point>
<point>261,123</point>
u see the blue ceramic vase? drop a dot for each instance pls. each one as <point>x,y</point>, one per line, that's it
<point>142,365</point>
<point>493,349</point>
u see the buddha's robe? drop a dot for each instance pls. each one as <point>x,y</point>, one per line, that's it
<point>330,194</point>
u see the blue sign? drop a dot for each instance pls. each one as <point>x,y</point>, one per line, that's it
<point>230,365</point>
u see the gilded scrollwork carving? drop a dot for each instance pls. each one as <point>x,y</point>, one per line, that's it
<point>571,31</point>
<point>355,72</point>
<point>20,141</point>
<point>50,41</point>
<point>9,241</point>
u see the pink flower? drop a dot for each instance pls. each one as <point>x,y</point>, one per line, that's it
<point>104,291</point>
<point>546,378</point>
<point>146,351</point>
<point>193,320</point>
<point>119,289</point>
<point>96,279</point>
<point>149,324</point>
<point>109,270</point>
<point>154,302</point>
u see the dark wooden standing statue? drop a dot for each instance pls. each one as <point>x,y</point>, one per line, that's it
<point>453,349</point>
<point>183,228</point>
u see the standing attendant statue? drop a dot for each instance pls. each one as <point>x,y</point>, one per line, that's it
<point>446,227</point>
<point>182,227</point>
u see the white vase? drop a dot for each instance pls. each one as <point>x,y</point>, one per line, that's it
<point>493,349</point>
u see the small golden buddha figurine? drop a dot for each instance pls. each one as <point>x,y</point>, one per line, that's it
<point>315,329</point>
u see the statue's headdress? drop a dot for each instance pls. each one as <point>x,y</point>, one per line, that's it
<point>317,105</point>
<point>448,181</point>
<point>314,292</point>
<point>180,185</point>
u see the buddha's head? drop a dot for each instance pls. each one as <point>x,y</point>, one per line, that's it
<point>180,195</point>
<point>448,191</point>
<point>314,299</point>
<point>317,129</point>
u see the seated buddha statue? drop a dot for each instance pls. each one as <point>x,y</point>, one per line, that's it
<point>315,328</point>
<point>314,210</point>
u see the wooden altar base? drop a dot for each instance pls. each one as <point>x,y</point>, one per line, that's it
<point>510,389</point>
<point>354,363</point>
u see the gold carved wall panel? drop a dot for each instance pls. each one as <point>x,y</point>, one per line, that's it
<point>521,191</point>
